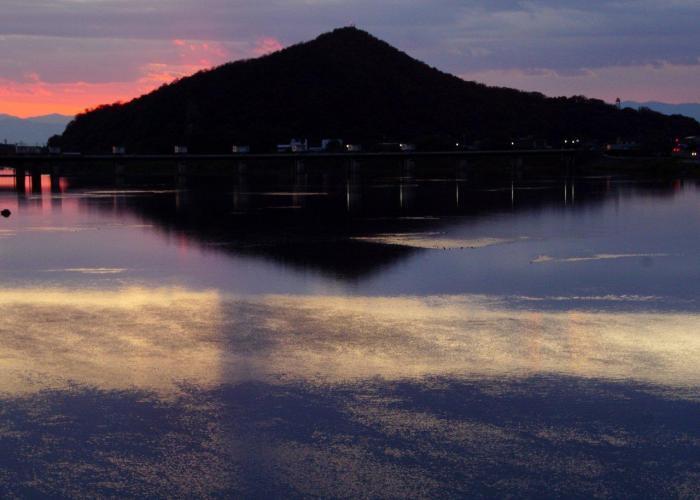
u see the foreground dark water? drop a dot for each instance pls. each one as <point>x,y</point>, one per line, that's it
<point>385,337</point>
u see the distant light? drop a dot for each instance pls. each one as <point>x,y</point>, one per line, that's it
<point>694,153</point>
<point>566,141</point>
<point>512,143</point>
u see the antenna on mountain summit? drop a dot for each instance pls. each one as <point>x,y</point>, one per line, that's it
<point>618,103</point>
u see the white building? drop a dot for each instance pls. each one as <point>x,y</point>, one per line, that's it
<point>294,146</point>
<point>180,150</point>
<point>118,150</point>
<point>237,149</point>
<point>23,149</point>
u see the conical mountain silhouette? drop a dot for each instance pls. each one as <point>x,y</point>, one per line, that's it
<point>351,85</point>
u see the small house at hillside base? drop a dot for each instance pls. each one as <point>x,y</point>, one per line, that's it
<point>298,146</point>
<point>396,147</point>
<point>22,149</point>
<point>294,146</point>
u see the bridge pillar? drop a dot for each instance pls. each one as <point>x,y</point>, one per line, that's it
<point>572,165</point>
<point>36,180</point>
<point>516,163</point>
<point>300,176</point>
<point>240,197</point>
<point>352,174</point>
<point>55,181</point>
<point>181,168</point>
<point>462,168</point>
<point>20,179</point>
<point>352,170</point>
<point>409,165</point>
<point>180,182</point>
<point>348,195</point>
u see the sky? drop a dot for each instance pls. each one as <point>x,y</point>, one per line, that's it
<point>63,56</point>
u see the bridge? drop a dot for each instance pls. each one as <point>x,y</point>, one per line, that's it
<point>450,163</point>
<point>78,157</point>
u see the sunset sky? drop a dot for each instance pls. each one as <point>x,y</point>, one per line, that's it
<point>67,55</point>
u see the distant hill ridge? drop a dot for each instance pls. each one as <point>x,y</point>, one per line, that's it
<point>691,109</point>
<point>351,85</point>
<point>34,130</point>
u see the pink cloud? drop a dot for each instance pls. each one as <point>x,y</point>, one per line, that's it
<point>33,95</point>
<point>201,54</point>
<point>267,45</point>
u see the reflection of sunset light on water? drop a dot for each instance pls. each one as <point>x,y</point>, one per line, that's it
<point>8,182</point>
<point>136,338</point>
<point>156,339</point>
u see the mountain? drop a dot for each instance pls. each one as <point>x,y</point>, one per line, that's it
<point>52,118</point>
<point>691,109</point>
<point>36,130</point>
<point>351,85</point>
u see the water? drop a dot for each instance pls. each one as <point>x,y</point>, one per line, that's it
<point>383,336</point>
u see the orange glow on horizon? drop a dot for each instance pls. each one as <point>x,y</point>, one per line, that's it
<point>34,99</point>
<point>37,97</point>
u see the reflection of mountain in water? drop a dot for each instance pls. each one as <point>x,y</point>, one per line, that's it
<point>346,226</point>
<point>313,221</point>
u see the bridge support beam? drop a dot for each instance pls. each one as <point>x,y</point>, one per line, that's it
<point>20,179</point>
<point>36,181</point>
<point>462,168</point>
<point>408,166</point>
<point>55,181</point>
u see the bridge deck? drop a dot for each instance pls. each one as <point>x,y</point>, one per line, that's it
<point>289,156</point>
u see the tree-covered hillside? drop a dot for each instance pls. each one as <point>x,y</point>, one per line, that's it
<point>350,85</point>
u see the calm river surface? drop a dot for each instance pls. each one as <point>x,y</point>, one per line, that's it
<point>392,337</point>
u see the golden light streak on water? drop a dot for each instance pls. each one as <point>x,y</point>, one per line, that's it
<point>155,339</point>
